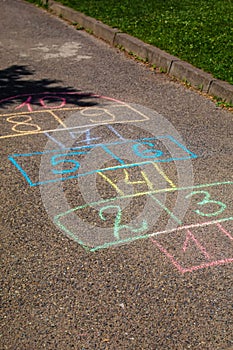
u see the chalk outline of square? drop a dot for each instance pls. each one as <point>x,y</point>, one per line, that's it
<point>56,221</point>
<point>31,132</point>
<point>145,118</point>
<point>174,261</point>
<point>190,155</point>
<point>131,239</point>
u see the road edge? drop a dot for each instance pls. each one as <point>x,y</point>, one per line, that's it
<point>173,66</point>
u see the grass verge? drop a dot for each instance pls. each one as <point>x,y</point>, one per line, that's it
<point>197,31</point>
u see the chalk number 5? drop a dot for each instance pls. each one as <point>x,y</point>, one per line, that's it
<point>55,161</point>
<point>207,200</point>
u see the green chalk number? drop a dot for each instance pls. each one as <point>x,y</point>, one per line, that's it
<point>117,224</point>
<point>207,200</point>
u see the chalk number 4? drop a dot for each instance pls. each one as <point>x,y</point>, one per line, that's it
<point>206,200</point>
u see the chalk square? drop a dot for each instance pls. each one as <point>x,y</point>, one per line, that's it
<point>28,123</point>
<point>51,171</point>
<point>159,149</point>
<point>109,113</point>
<point>191,249</point>
<point>103,224</point>
<point>174,150</point>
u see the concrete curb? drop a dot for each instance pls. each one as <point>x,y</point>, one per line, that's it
<point>172,65</point>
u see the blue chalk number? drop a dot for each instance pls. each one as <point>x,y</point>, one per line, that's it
<point>56,161</point>
<point>147,153</point>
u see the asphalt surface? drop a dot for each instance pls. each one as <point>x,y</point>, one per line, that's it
<point>146,265</point>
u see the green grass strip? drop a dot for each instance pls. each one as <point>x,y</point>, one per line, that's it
<point>197,31</point>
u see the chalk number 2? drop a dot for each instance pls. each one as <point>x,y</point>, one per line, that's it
<point>117,224</point>
<point>206,200</point>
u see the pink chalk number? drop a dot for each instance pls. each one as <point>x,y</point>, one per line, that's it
<point>197,249</point>
<point>61,102</point>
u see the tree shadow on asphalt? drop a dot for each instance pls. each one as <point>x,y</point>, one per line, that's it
<point>16,83</point>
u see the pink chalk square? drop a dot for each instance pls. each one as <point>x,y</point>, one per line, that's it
<point>198,247</point>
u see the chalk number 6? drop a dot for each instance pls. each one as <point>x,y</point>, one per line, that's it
<point>207,200</point>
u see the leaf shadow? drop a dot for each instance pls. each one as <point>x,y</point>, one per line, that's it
<point>16,82</point>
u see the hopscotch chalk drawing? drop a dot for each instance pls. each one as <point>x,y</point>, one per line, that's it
<point>133,175</point>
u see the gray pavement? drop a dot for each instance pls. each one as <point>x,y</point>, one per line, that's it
<point>116,197</point>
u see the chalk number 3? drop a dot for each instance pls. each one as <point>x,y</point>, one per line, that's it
<point>207,200</point>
